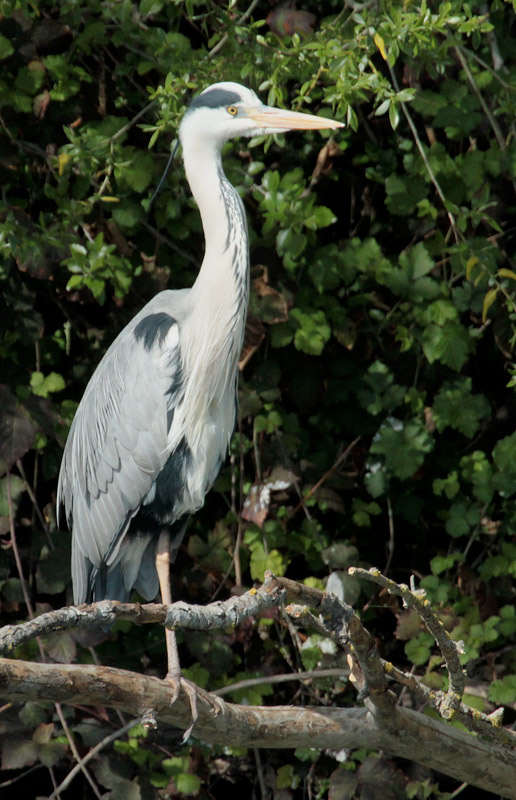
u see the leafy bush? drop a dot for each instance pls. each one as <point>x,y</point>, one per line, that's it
<point>377,395</point>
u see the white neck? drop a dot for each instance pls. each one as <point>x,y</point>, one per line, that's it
<point>225,267</point>
<point>219,296</point>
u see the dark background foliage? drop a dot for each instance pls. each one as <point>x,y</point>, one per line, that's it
<point>377,391</point>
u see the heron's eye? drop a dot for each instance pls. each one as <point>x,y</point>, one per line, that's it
<point>232,110</point>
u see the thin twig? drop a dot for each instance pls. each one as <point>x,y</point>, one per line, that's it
<point>343,456</point>
<point>492,71</point>
<point>259,772</point>
<point>39,514</point>
<point>75,752</point>
<point>131,122</point>
<point>426,162</point>
<point>214,50</point>
<point>91,754</point>
<point>390,545</point>
<point>14,545</point>
<point>314,674</point>
<point>169,242</point>
<point>447,646</point>
<point>22,775</point>
<point>487,111</point>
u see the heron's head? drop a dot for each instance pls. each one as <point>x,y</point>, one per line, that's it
<point>226,110</point>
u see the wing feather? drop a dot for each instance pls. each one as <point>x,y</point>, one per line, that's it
<point>119,442</point>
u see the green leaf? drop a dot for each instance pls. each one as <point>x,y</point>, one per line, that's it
<point>291,242</point>
<point>489,299</point>
<point>17,487</point>
<point>503,692</point>
<point>261,561</point>
<point>313,331</point>
<point>197,674</point>
<point>43,386</point>
<point>404,193</point>
<point>403,446</point>
<point>504,454</point>
<point>450,344</point>
<point>281,334</point>
<point>449,485</point>
<point>286,778</point>
<point>416,261</point>
<point>187,783</point>
<point>137,171</point>
<point>419,649</point>
<point>30,79</point>
<point>441,564</point>
<point>211,554</point>
<point>6,48</point>
<point>456,407</point>
<point>33,713</point>
<point>462,516</point>
<point>148,7</point>
<point>320,218</point>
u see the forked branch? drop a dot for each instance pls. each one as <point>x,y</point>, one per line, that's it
<point>381,724</point>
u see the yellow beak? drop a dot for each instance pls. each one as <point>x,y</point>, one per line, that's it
<point>279,120</point>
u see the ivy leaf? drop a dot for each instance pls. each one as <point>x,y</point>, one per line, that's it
<point>53,569</point>
<point>343,785</point>
<point>346,587</point>
<point>33,713</point>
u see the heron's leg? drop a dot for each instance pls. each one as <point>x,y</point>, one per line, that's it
<point>174,668</point>
<point>163,570</point>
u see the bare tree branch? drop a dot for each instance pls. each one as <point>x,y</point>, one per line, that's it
<point>407,734</point>
<point>178,615</point>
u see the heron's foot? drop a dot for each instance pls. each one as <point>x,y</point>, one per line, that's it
<point>190,689</point>
<point>193,692</point>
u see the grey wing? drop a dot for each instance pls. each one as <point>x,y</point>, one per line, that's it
<point>119,442</point>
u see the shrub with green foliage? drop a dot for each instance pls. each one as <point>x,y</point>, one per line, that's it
<point>377,395</point>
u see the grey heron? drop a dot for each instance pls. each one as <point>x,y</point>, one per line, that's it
<point>154,424</point>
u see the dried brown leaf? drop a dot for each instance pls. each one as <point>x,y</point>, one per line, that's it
<point>17,433</point>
